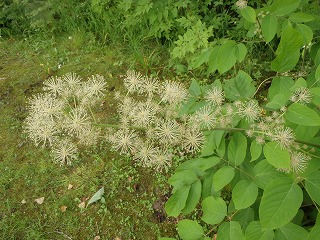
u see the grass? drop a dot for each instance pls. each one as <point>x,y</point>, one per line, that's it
<point>28,172</point>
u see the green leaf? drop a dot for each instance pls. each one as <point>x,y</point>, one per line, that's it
<point>239,87</point>
<point>314,233</point>
<point>301,17</point>
<point>276,156</point>
<point>291,232</point>
<point>222,177</point>
<point>249,14</point>
<point>312,183</point>
<point>194,89</point>
<point>254,232</point>
<point>193,197</point>
<point>189,230</point>
<point>315,95</point>
<point>240,52</point>
<point>214,210</point>
<point>301,114</point>
<point>230,231</point>
<point>306,32</point>
<point>200,59</point>
<point>264,173</point>
<point>225,57</point>
<point>269,27</point>
<point>199,163</point>
<point>244,217</point>
<point>277,102</point>
<point>244,194</point>
<point>255,150</point>
<point>280,203</point>
<point>213,59</point>
<point>177,201</point>
<point>284,7</point>
<point>182,178</point>
<point>280,85</point>
<point>317,74</point>
<point>237,149</point>
<point>288,51</point>
<point>96,197</point>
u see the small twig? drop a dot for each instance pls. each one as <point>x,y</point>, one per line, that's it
<point>261,85</point>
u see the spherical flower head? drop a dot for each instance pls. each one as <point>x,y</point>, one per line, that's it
<point>54,85</point>
<point>71,83</point>
<point>162,160</point>
<point>125,141</point>
<point>64,152</point>
<point>299,161</point>
<point>214,96</point>
<point>143,114</point>
<point>77,122</point>
<point>250,111</point>
<point>283,135</point>
<point>145,154</point>
<point>150,86</point>
<point>173,93</point>
<point>40,130</point>
<point>133,81</point>
<point>302,95</point>
<point>241,4</point>
<point>168,132</point>
<point>192,140</point>
<point>204,118</point>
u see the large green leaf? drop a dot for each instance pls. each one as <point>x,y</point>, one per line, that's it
<point>240,52</point>
<point>239,87</point>
<point>189,230</point>
<point>202,164</point>
<point>291,232</point>
<point>316,95</point>
<point>230,231</point>
<point>214,210</point>
<point>244,194</point>
<point>303,115</point>
<point>288,51</point>
<point>182,178</point>
<point>255,150</point>
<point>254,232</point>
<point>280,203</point>
<point>249,14</point>
<point>306,32</point>
<point>280,158</point>
<point>300,17</point>
<point>226,57</point>
<point>312,182</point>
<point>269,27</point>
<point>264,173</point>
<point>222,177</point>
<point>237,148</point>
<point>280,85</point>
<point>284,7</point>
<point>314,233</point>
<point>244,217</point>
<point>193,197</point>
<point>177,201</point>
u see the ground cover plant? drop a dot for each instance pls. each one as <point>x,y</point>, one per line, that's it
<point>235,135</point>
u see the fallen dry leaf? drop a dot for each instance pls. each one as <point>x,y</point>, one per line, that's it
<point>82,205</point>
<point>39,200</point>
<point>63,208</point>
<point>70,186</point>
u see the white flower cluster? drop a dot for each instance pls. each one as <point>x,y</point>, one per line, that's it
<point>62,115</point>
